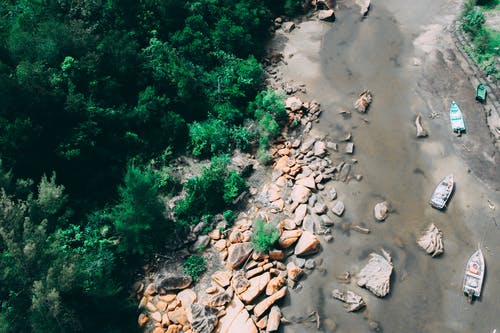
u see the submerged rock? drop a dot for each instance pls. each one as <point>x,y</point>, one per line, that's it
<point>432,240</point>
<point>352,301</point>
<point>375,276</point>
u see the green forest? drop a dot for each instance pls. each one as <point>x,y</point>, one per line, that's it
<point>97,99</point>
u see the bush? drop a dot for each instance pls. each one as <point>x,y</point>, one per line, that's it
<point>209,137</point>
<point>194,266</point>
<point>264,236</point>
<point>473,21</point>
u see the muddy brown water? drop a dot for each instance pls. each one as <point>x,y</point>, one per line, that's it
<point>378,53</point>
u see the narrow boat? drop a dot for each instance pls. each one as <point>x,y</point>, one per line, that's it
<point>442,192</point>
<point>481,93</point>
<point>474,274</point>
<point>456,118</point>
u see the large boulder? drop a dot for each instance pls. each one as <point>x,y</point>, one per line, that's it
<point>274,319</point>
<point>236,319</point>
<point>326,15</point>
<point>352,301</point>
<point>289,237</point>
<point>375,276</point>
<point>257,285</point>
<point>238,253</point>
<point>432,240</point>
<point>300,194</point>
<point>203,318</point>
<point>381,210</point>
<point>307,244</point>
<point>268,302</point>
<point>166,281</point>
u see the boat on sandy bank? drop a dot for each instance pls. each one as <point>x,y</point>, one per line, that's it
<point>456,118</point>
<point>474,274</point>
<point>442,192</point>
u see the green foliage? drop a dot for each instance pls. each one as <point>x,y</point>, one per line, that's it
<point>473,21</point>
<point>194,266</point>
<point>138,217</point>
<point>209,137</point>
<point>50,196</point>
<point>292,7</point>
<point>229,216</point>
<point>264,236</point>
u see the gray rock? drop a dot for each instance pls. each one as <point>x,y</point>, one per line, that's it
<point>381,210</point>
<point>288,26</point>
<point>332,194</point>
<point>349,148</point>
<point>310,264</point>
<point>300,262</point>
<point>319,208</point>
<point>375,276</point>
<point>332,145</point>
<point>201,243</point>
<point>328,238</point>
<point>166,281</point>
<point>352,301</point>
<point>344,172</point>
<point>204,318</point>
<point>339,208</point>
<point>307,145</point>
<point>326,220</point>
<point>432,240</point>
<point>319,149</point>
<point>326,15</point>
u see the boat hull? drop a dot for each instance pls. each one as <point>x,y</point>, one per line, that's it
<point>442,192</point>
<point>474,275</point>
<point>456,118</point>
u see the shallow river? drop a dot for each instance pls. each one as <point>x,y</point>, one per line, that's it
<point>337,61</point>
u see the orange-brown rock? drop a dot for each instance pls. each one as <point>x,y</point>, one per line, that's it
<point>222,278</point>
<point>161,305</point>
<point>174,329</point>
<point>150,290</point>
<point>274,319</point>
<point>186,297</point>
<point>282,163</point>
<point>262,323</point>
<point>268,302</point>
<point>251,273</point>
<point>275,284</point>
<point>236,319</point>
<point>156,316</point>
<point>236,236</point>
<point>178,316</point>
<point>294,272</point>
<point>307,182</point>
<point>164,320</point>
<point>276,255</point>
<point>142,320</point>
<point>257,285</point>
<point>289,237</point>
<point>169,297</point>
<point>220,245</point>
<point>158,329</point>
<point>307,244</point>
<point>151,307</point>
<point>239,282</point>
<point>215,234</point>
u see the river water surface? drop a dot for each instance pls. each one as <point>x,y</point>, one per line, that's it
<point>337,61</point>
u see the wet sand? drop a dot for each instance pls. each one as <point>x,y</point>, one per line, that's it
<point>403,53</point>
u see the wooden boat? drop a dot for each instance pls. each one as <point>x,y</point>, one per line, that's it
<point>442,192</point>
<point>481,93</point>
<point>456,118</point>
<point>474,274</point>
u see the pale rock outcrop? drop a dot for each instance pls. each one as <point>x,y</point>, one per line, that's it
<point>274,319</point>
<point>289,237</point>
<point>236,319</point>
<point>238,253</point>
<point>352,301</point>
<point>268,302</point>
<point>364,100</point>
<point>375,276</point>
<point>307,244</point>
<point>381,210</point>
<point>257,285</point>
<point>203,318</point>
<point>338,208</point>
<point>432,240</point>
<point>222,278</point>
<point>300,194</point>
<point>421,132</point>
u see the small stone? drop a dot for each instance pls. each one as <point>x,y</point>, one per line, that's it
<point>319,208</point>
<point>222,278</point>
<point>349,148</point>
<point>310,264</point>
<point>150,290</point>
<point>288,26</point>
<point>339,208</point>
<point>307,244</point>
<point>142,320</point>
<point>332,194</point>
<point>156,316</point>
<point>328,238</point>
<point>381,210</point>
<point>300,262</point>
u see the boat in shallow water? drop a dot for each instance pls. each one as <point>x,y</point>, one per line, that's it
<point>456,118</point>
<point>474,274</point>
<point>442,192</point>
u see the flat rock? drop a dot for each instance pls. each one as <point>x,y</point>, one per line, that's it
<point>178,316</point>
<point>293,103</point>
<point>289,237</point>
<point>294,272</point>
<point>257,286</point>
<point>352,301</point>
<point>307,182</point>
<point>349,148</point>
<point>186,297</point>
<point>307,244</point>
<point>319,208</point>
<point>166,281</point>
<point>275,284</point>
<point>326,15</point>
<point>268,302</point>
<point>319,149</point>
<point>300,193</point>
<point>274,319</point>
<point>381,210</point>
<point>375,276</point>
<point>203,318</point>
<point>332,194</point>
<point>307,145</point>
<point>222,278</point>
<point>221,298</point>
<point>338,208</point>
<point>432,240</point>
<point>326,220</point>
<point>238,253</point>
<point>236,319</point>
<point>239,282</point>
<point>364,100</point>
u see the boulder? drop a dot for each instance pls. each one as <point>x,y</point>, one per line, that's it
<point>364,100</point>
<point>172,329</point>
<point>222,278</point>
<point>319,149</point>
<point>421,132</point>
<point>238,253</point>
<point>375,276</point>
<point>338,208</point>
<point>289,224</point>
<point>257,285</point>
<point>293,103</point>
<point>282,164</point>
<point>352,301</point>
<point>150,290</point>
<point>220,245</point>
<point>307,145</point>
<point>268,302</point>
<point>300,213</point>
<point>239,283</point>
<point>186,297</point>
<point>307,244</point>
<point>288,26</point>
<point>275,284</point>
<point>204,318</point>
<point>310,263</point>
<point>300,193</point>
<point>236,319</point>
<point>289,237</point>
<point>432,240</point>
<point>381,210</point>
<point>326,15</point>
<point>364,6</point>
<point>307,182</point>
<point>274,319</point>
<point>294,272</point>
<point>166,281</point>
<point>236,236</point>
<point>201,243</point>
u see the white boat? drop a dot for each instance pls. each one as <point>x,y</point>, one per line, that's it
<point>456,118</point>
<point>442,192</point>
<point>474,274</point>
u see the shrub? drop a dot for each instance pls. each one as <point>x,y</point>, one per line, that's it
<point>194,266</point>
<point>229,216</point>
<point>473,21</point>
<point>264,236</point>
<point>209,137</point>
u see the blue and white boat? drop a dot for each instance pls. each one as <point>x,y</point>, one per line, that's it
<point>456,118</point>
